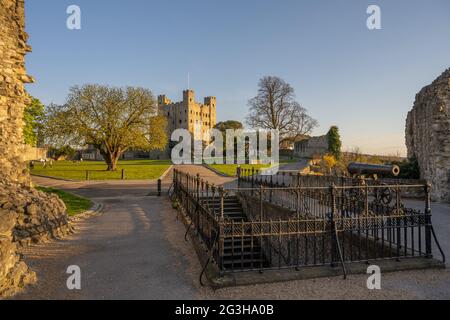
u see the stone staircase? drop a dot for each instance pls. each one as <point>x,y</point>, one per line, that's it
<point>240,253</point>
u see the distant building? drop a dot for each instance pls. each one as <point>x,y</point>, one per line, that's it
<point>289,144</point>
<point>90,153</point>
<point>312,147</point>
<point>188,113</point>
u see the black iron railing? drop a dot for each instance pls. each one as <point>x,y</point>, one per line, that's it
<point>301,226</point>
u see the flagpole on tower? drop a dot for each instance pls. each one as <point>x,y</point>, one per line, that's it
<point>189,80</point>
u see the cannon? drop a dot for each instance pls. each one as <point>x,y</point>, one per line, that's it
<point>363,169</point>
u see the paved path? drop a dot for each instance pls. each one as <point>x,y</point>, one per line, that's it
<point>123,253</point>
<point>136,250</point>
<point>291,168</point>
<point>300,165</point>
<point>440,218</point>
<point>205,173</point>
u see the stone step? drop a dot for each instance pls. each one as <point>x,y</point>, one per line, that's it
<point>238,255</point>
<point>244,263</point>
<point>239,246</point>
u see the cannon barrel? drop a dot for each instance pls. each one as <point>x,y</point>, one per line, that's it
<point>367,168</point>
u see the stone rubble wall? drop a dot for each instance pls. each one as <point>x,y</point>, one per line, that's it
<point>13,97</point>
<point>26,215</point>
<point>40,216</point>
<point>428,135</point>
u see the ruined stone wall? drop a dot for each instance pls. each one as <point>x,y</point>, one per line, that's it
<point>311,147</point>
<point>428,135</point>
<point>13,97</point>
<point>13,272</point>
<point>26,214</point>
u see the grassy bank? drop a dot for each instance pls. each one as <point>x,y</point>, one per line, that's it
<point>230,169</point>
<point>74,204</point>
<point>134,170</point>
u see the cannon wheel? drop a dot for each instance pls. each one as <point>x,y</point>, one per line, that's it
<point>385,196</point>
<point>382,195</point>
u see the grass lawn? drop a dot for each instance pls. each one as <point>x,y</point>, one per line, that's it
<point>74,204</point>
<point>134,170</point>
<point>230,169</point>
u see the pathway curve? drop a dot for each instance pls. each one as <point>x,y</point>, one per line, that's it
<point>123,253</point>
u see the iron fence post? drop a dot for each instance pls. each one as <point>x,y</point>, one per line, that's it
<point>87,174</point>
<point>253,178</point>
<point>222,202</point>
<point>159,187</point>
<point>261,211</point>
<point>238,173</point>
<point>123,174</point>
<point>366,200</point>
<point>342,195</point>
<point>332,226</point>
<point>428,221</point>
<point>399,231</point>
<point>261,190</point>
<point>197,180</point>
<point>221,249</point>
<point>174,182</point>
<point>207,195</point>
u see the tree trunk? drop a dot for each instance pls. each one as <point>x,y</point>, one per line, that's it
<point>111,159</point>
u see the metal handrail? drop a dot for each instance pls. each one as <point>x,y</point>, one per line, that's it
<point>437,243</point>
<point>209,258</point>
<point>338,244</point>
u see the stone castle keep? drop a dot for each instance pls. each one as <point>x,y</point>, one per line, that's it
<point>26,215</point>
<point>188,113</point>
<point>428,135</point>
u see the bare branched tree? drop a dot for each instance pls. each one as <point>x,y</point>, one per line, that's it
<point>113,120</point>
<point>275,107</point>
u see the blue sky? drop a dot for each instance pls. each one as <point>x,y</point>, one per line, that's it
<point>362,80</point>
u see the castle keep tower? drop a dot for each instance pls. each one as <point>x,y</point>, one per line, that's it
<point>188,113</point>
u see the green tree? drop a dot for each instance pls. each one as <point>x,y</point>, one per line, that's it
<point>33,117</point>
<point>113,120</point>
<point>409,169</point>
<point>65,151</point>
<point>334,142</point>
<point>229,124</point>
